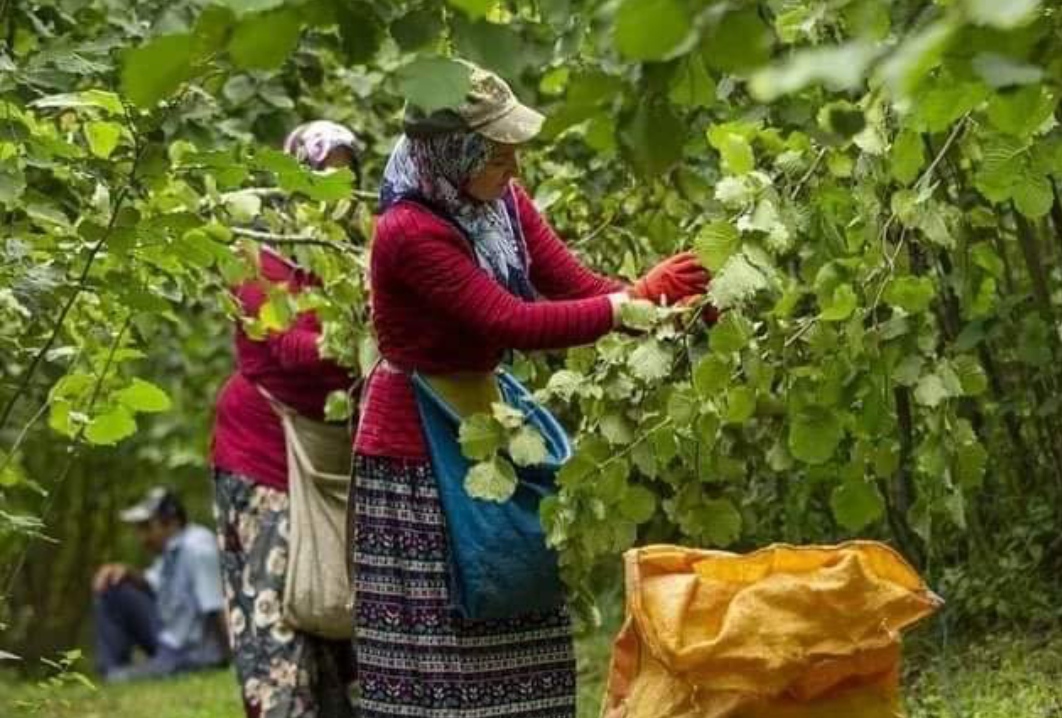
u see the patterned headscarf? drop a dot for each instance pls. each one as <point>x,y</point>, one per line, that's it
<point>311,143</point>
<point>435,170</point>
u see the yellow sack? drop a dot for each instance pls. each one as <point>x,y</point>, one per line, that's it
<point>784,632</point>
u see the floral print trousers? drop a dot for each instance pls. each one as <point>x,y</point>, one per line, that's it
<point>282,673</point>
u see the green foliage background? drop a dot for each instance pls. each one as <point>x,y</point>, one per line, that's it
<point>873,184</point>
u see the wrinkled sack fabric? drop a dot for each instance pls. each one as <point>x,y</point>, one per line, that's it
<point>784,632</point>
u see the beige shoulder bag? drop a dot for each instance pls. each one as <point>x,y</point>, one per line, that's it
<point>318,594</point>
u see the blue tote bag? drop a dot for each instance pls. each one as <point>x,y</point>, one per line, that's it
<point>500,565</point>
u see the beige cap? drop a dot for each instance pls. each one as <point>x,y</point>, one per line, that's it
<point>490,108</point>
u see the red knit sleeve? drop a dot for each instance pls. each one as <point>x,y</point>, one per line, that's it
<point>434,261</point>
<point>555,271</point>
<point>294,348</point>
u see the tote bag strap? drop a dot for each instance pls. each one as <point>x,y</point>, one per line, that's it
<point>287,417</point>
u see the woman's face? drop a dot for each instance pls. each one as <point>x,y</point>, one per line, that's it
<point>338,158</point>
<point>491,182</point>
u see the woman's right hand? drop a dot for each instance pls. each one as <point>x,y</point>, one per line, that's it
<point>672,280</point>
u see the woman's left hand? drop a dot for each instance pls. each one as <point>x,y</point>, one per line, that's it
<point>673,280</point>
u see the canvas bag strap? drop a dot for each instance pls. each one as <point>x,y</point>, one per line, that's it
<point>291,435</point>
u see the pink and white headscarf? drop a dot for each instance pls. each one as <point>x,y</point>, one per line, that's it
<point>311,143</point>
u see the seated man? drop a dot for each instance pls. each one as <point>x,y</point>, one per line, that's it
<point>173,611</point>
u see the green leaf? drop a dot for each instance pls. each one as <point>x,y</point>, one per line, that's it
<point>276,313</point>
<point>102,137</point>
<point>264,41</point>
<point>931,391</point>
<point>691,85</point>
<point>434,83</point>
<point>481,436</point>
<point>731,334</point>
<point>971,460</point>
<point>508,416</point>
<point>616,429</point>
<point>330,186</point>
<point>712,373</point>
<point>12,185</point>
<point>910,293</point>
<point>143,396</point>
<point>942,100</point>
<point>736,283</point>
<point>651,29</point>
<point>1033,195</point>
<point>338,406</point>
<point>856,504</point>
<point>984,256</point>
<point>719,521</point>
<point>212,30</point>
<point>738,42</point>
<point>1002,164</point>
<point>493,480</point>
<point>653,138</point>
<point>734,149</point>
<point>565,384</point>
<point>527,447</point>
<point>154,71</point>
<point>243,206</point>
<point>682,406</point>
<point>971,375</point>
<point>101,99</point>
<point>417,28</point>
<point>244,7</point>
<point>1001,13</point>
<point>716,243</point>
<point>1034,343</point>
<point>499,47</point>
<point>1002,71</point>
<point>360,31</point>
<point>111,427</point>
<point>840,305</point>
<point>740,405</point>
<point>639,314</point>
<point>1021,112</point>
<point>638,504</point>
<point>908,371</point>
<point>839,68</point>
<point>473,8</point>
<point>917,55</point>
<point>907,157</point>
<point>814,434</point>
<point>651,361</point>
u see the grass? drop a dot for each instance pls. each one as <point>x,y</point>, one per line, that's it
<point>1002,677</point>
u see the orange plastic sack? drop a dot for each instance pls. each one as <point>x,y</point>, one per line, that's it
<point>784,632</point>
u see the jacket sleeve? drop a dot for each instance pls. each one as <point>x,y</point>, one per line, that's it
<point>434,261</point>
<point>555,270</point>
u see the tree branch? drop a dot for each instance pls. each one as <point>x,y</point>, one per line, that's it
<point>303,239</point>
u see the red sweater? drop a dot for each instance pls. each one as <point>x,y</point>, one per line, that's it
<point>248,438</point>
<point>435,310</point>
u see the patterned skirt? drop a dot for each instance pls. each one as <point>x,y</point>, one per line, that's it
<point>416,658</point>
<point>282,673</point>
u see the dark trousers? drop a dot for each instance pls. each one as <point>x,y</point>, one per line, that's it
<point>127,618</point>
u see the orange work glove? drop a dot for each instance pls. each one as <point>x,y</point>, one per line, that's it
<point>672,280</point>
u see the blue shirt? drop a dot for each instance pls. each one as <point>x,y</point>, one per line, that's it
<point>186,580</point>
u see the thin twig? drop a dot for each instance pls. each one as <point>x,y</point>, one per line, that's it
<point>74,454</point>
<point>300,239</point>
<point>807,175</point>
<point>278,192</point>
<point>595,232</point>
<point>960,125</point>
<point>801,332</point>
